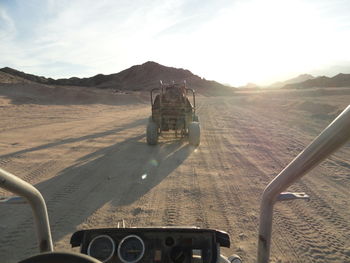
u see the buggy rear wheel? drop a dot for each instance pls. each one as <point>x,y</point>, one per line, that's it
<point>152,133</point>
<point>194,133</point>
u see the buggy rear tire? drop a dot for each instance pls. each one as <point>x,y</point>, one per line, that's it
<point>194,133</point>
<point>152,133</point>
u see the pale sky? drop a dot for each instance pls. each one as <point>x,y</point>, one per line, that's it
<point>230,41</point>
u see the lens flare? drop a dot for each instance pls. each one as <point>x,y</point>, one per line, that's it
<point>153,162</point>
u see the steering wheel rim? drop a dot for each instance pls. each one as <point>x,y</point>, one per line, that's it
<point>60,257</point>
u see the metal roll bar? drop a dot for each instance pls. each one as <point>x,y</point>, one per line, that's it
<point>330,139</point>
<point>34,198</point>
<point>193,98</point>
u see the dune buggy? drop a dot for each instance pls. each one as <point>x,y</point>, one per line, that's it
<point>173,111</point>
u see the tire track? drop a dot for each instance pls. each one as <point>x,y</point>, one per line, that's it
<point>314,230</point>
<point>183,199</point>
<point>319,205</point>
<point>326,212</point>
<point>199,210</point>
<point>254,170</point>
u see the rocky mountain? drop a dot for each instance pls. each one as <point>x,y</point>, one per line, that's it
<point>298,79</point>
<point>340,80</point>
<point>11,79</point>
<point>138,77</point>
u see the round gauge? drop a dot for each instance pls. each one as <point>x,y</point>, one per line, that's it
<point>102,248</point>
<point>131,249</point>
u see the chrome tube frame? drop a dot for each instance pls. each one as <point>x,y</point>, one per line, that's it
<point>32,195</point>
<point>334,136</point>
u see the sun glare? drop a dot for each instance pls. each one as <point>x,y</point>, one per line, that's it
<point>262,41</point>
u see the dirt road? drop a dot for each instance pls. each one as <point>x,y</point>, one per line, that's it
<point>94,169</point>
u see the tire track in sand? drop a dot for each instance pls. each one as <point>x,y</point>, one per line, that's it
<point>303,221</point>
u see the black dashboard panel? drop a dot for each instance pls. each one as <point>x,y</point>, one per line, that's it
<point>163,244</point>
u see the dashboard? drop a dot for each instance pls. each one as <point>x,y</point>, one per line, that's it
<point>162,244</point>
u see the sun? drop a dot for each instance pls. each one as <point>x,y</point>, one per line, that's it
<point>262,42</point>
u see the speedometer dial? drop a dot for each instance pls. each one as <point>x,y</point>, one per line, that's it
<point>102,248</point>
<point>131,249</point>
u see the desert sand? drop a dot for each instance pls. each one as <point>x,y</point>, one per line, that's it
<point>86,151</point>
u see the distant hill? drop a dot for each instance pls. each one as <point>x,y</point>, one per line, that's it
<point>298,79</point>
<point>250,86</point>
<point>139,77</point>
<point>340,80</point>
<point>11,79</point>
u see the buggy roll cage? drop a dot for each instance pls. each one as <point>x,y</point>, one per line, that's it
<point>35,199</point>
<point>328,141</point>
<point>335,135</point>
<point>161,92</point>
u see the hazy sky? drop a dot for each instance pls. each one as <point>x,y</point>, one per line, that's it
<point>233,42</point>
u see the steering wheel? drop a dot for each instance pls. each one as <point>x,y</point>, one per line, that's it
<point>60,257</point>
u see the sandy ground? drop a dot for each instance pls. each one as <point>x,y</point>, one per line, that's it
<point>92,164</point>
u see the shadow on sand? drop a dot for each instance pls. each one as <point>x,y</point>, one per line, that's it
<point>119,175</point>
<point>76,139</point>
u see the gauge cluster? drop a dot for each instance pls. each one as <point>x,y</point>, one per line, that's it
<point>164,244</point>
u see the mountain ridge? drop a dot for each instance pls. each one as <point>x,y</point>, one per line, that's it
<point>339,80</point>
<point>298,79</point>
<point>138,77</point>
